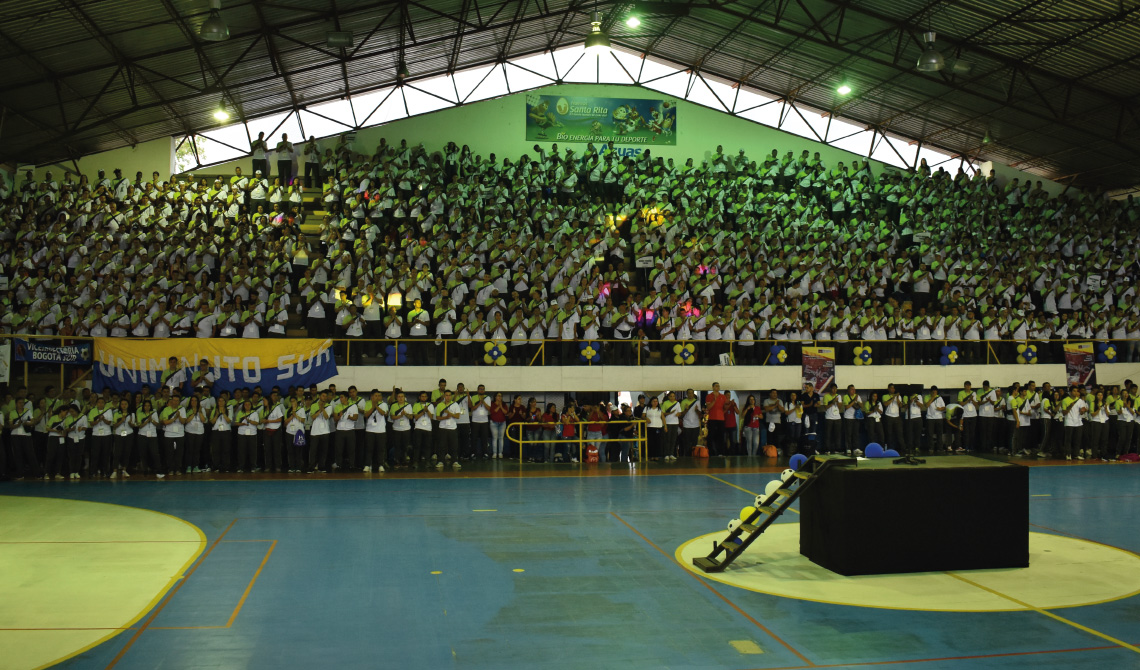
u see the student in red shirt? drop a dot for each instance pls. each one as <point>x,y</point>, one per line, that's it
<point>714,404</point>
<point>549,422</point>
<point>730,436</point>
<point>596,429</point>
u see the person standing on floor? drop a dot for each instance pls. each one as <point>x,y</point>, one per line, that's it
<point>1074,409</point>
<point>655,427</point>
<point>100,418</point>
<point>375,412</point>
<point>447,435</point>
<point>690,422</point>
<point>122,440</point>
<point>935,408</point>
<point>146,423</point>
<point>319,413</point>
<point>196,420</point>
<point>173,435</point>
<point>671,415</point>
<point>345,413</point>
<point>247,419</point>
<point>221,435</point>
<point>295,416</point>
<point>714,403</point>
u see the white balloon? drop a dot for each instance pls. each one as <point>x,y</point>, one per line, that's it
<point>772,486</point>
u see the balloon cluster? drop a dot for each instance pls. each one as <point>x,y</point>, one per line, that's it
<point>778,355</point>
<point>949,355</point>
<point>863,355</point>
<point>1027,354</point>
<point>769,497</point>
<point>1105,352</point>
<point>589,352</point>
<point>684,354</point>
<point>396,353</point>
<point>496,353</point>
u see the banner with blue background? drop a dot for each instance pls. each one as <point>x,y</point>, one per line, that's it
<point>128,365</point>
<point>566,118</point>
<point>69,354</point>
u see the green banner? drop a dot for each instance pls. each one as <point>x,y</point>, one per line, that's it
<point>564,118</point>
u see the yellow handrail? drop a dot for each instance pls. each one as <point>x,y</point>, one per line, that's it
<point>641,438</point>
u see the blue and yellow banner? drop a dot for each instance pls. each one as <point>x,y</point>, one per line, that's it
<point>128,365</point>
<point>565,118</point>
<point>68,354</point>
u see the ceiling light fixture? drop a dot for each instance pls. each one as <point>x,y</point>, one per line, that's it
<point>843,89</point>
<point>597,42</point>
<point>633,21</point>
<point>220,114</point>
<point>214,29</point>
<point>931,59</point>
<point>402,70</point>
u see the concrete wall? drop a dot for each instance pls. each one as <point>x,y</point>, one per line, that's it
<point>147,156</point>
<point>632,378</point>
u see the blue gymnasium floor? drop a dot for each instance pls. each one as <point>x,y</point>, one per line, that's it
<point>555,572</point>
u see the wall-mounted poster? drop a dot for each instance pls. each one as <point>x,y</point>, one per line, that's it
<point>566,118</point>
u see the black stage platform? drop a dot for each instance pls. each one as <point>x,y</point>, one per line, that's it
<point>952,513</point>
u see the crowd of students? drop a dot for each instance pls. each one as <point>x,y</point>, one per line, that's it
<point>541,247</point>
<point>183,427</point>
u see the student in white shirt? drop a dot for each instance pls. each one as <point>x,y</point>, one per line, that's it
<point>480,404</point>
<point>447,437</point>
<point>1074,408</point>
<point>345,413</point>
<point>294,418</point>
<point>247,419</point>
<point>423,414</point>
<point>195,434</point>
<point>375,413</point>
<point>320,413</point>
<point>221,433</point>
<point>273,417</point>
<point>935,408</point>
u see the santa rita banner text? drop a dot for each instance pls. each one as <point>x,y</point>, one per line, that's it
<point>624,121</point>
<point>128,365</point>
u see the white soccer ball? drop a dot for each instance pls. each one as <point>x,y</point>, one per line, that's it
<point>734,524</point>
<point>787,474</point>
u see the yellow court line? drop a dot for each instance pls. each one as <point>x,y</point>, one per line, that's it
<point>741,488</point>
<point>251,582</point>
<point>484,510</point>
<point>1049,614</point>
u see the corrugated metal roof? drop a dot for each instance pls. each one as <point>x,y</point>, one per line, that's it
<point>1054,82</point>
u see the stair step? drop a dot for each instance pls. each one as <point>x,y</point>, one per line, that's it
<point>705,563</point>
<point>784,492</point>
<point>729,545</point>
<point>749,528</point>
<point>766,510</point>
<point>802,475</point>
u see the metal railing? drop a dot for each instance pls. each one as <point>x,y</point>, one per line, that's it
<point>641,436</point>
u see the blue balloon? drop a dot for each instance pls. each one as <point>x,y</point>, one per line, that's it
<point>797,461</point>
<point>890,453</point>
<point>873,450</point>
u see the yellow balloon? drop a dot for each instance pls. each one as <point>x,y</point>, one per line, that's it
<point>747,512</point>
<point>676,348</point>
<point>501,360</point>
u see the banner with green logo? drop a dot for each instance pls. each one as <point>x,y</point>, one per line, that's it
<point>566,118</point>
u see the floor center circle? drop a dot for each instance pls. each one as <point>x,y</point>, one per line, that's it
<point>1062,572</point>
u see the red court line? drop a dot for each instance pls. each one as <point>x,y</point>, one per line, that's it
<point>945,658</point>
<point>720,595</point>
<point>166,600</point>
